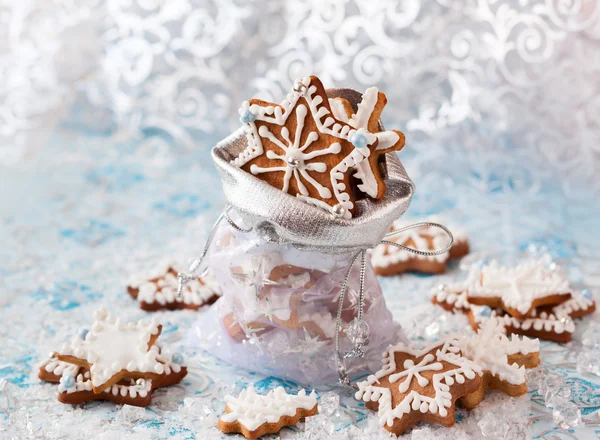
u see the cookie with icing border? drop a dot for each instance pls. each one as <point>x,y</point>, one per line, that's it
<point>113,351</point>
<point>254,415</point>
<point>577,306</point>
<point>75,385</point>
<point>319,323</point>
<point>240,331</point>
<point>542,325</point>
<point>419,385</point>
<point>299,147</point>
<point>389,260</point>
<point>157,290</point>
<point>451,297</point>
<point>502,359</point>
<point>518,290</point>
<point>112,361</point>
<point>370,172</point>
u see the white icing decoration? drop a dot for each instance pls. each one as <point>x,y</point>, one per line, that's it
<point>544,322</point>
<point>324,320</point>
<point>111,346</point>
<point>253,410</point>
<point>517,286</point>
<point>368,390</point>
<point>360,120</point>
<point>575,304</point>
<point>453,294</point>
<point>325,124</point>
<point>490,349</point>
<point>163,292</point>
<point>385,255</point>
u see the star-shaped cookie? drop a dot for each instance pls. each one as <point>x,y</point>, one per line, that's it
<point>369,172</point>
<point>416,385</point>
<point>389,260</point>
<point>503,361</point>
<point>112,361</point>
<point>301,148</point>
<point>254,415</point>
<point>157,290</point>
<point>517,290</point>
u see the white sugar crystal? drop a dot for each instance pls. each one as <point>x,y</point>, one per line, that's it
<point>494,427</point>
<point>565,413</point>
<point>589,362</point>
<point>129,416</point>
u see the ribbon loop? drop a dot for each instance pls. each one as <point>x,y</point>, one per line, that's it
<point>417,251</point>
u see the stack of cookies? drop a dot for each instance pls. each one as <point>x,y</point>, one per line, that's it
<point>121,363</point>
<point>425,383</point>
<point>532,299</point>
<point>320,150</point>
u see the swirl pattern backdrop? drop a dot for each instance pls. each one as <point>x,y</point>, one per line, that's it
<point>109,109</point>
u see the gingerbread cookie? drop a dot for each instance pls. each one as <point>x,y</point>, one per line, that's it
<point>416,385</point>
<point>517,290</point>
<point>369,172</point>
<point>302,149</point>
<point>389,260</point>
<point>451,297</point>
<point>157,290</point>
<point>503,361</point>
<point>254,415</point>
<point>541,325</point>
<point>577,306</point>
<point>112,361</point>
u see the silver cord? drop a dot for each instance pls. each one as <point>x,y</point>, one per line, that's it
<point>416,251</point>
<point>184,278</point>
<point>358,349</point>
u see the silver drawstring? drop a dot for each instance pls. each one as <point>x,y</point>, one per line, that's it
<point>184,278</point>
<point>360,340</point>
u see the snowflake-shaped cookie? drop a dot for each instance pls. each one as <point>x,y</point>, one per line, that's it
<point>112,351</point>
<point>302,149</point>
<point>390,260</point>
<point>367,117</point>
<point>416,385</point>
<point>254,415</point>
<point>503,360</point>
<point>517,290</point>
<point>157,290</point>
<point>113,362</point>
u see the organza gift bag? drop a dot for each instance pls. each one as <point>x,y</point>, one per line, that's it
<point>300,298</point>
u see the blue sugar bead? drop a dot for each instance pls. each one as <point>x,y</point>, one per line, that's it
<point>247,117</point>
<point>485,312</point>
<point>358,140</point>
<point>68,381</point>
<point>586,293</point>
<point>83,333</point>
<point>177,358</point>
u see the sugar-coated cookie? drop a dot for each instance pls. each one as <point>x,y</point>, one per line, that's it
<point>389,260</point>
<point>299,147</point>
<point>113,361</point>
<point>415,385</point>
<point>254,415</point>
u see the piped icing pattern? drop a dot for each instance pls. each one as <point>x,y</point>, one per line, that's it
<point>490,349</point>
<point>387,140</point>
<point>408,375</point>
<point>575,305</point>
<point>454,295</point>
<point>253,410</point>
<point>422,239</point>
<point>542,321</point>
<point>299,162</point>
<point>518,287</point>
<point>160,286</point>
<point>111,346</point>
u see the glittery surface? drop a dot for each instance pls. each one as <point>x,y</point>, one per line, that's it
<point>108,112</point>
